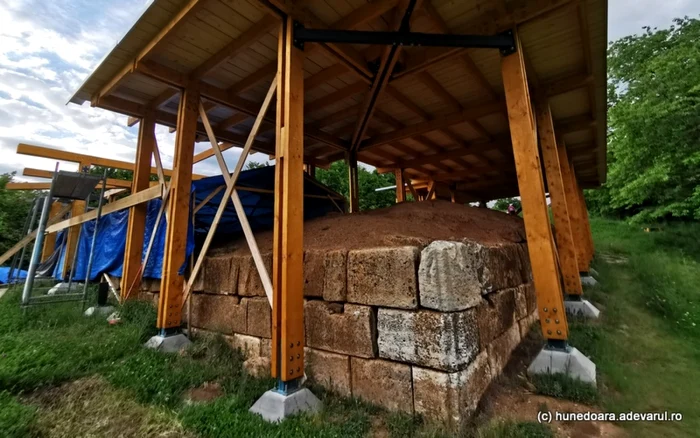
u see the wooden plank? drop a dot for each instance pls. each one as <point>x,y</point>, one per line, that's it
<point>412,190</point>
<point>72,236</point>
<point>27,186</point>
<point>432,125</point>
<point>353,183</point>
<point>574,209</point>
<point>136,226</point>
<point>288,240</point>
<point>126,202</point>
<point>111,182</point>
<point>50,239</point>
<point>550,303</point>
<point>171,285</point>
<point>57,154</point>
<point>400,186</point>
<point>588,236</point>
<point>31,236</point>
<point>555,183</point>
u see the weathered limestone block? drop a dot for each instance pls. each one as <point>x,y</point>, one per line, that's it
<point>526,323</point>
<point>257,366</point>
<point>520,301</point>
<point>502,267</point>
<point>347,329</point>
<point>445,341</point>
<point>259,317</point>
<point>530,296</point>
<point>330,370</point>
<point>314,273</point>
<point>249,283</point>
<point>451,398</point>
<point>495,315</point>
<point>218,313</point>
<point>149,296</point>
<point>336,276</point>
<point>526,267</point>
<point>383,383</point>
<point>448,276</point>
<point>150,285</point>
<point>219,275</point>
<point>250,346</point>
<point>383,277</point>
<point>499,349</point>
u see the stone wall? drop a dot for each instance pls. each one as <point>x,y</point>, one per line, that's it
<point>418,330</point>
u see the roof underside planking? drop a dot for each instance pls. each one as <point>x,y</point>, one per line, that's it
<point>442,116</point>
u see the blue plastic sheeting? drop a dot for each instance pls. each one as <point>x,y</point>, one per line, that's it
<point>259,207</point>
<point>5,273</point>
<point>110,245</point>
<point>111,233</point>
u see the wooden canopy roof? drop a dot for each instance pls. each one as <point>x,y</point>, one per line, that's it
<point>442,115</point>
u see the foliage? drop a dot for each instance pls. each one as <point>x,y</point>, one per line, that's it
<point>502,204</point>
<point>126,175</point>
<point>255,165</point>
<point>14,208</point>
<point>560,385</point>
<point>337,179</point>
<point>654,126</point>
<point>16,419</point>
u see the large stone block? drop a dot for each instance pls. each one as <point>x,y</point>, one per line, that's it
<point>330,370</point>
<point>530,296</point>
<point>347,329</point>
<point>499,349</point>
<point>383,383</point>
<point>520,301</point>
<point>249,283</point>
<point>250,346</point>
<point>495,315</point>
<point>335,277</point>
<point>526,267</point>
<point>150,285</point>
<point>259,319</point>
<point>451,398</point>
<point>502,267</point>
<point>383,277</point>
<point>218,313</point>
<point>445,341</point>
<point>526,323</point>
<point>448,276</point>
<point>219,275</point>
<point>314,273</point>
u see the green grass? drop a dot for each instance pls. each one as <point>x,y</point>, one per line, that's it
<point>560,385</point>
<point>16,419</point>
<point>647,345</point>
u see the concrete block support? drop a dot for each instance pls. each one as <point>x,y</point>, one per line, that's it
<point>582,308</point>
<point>274,406</point>
<point>569,361</point>
<point>168,344</point>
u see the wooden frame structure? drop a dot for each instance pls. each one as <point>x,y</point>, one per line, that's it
<point>457,119</point>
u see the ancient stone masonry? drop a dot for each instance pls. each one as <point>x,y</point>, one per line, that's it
<point>419,329</point>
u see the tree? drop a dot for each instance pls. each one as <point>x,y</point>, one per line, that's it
<point>337,179</point>
<point>14,207</point>
<point>255,165</point>
<point>654,125</point>
<point>502,204</point>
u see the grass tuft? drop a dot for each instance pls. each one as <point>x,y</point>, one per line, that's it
<point>560,385</point>
<point>515,429</point>
<point>16,419</point>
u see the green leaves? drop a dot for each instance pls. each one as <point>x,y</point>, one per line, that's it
<point>654,125</point>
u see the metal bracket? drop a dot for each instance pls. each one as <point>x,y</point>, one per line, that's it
<point>298,43</point>
<point>505,51</point>
<point>557,345</point>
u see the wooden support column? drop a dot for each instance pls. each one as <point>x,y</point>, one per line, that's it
<point>178,212</point>
<point>400,187</point>
<point>136,226</point>
<point>555,182</point>
<point>353,182</point>
<point>574,209</point>
<point>587,234</point>
<point>288,241</point>
<point>50,239</point>
<point>550,304</point>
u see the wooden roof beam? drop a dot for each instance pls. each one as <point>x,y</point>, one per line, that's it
<point>443,121</point>
<point>491,22</point>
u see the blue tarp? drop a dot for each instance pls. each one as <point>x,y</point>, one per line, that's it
<point>111,233</point>
<point>5,272</point>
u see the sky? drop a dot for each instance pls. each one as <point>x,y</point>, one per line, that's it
<point>47,49</point>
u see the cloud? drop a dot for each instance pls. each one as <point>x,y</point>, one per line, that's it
<point>627,17</point>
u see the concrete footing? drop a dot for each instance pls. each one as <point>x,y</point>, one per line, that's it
<point>569,361</point>
<point>582,308</point>
<point>274,406</point>
<point>99,310</point>
<point>168,344</point>
<point>588,281</point>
